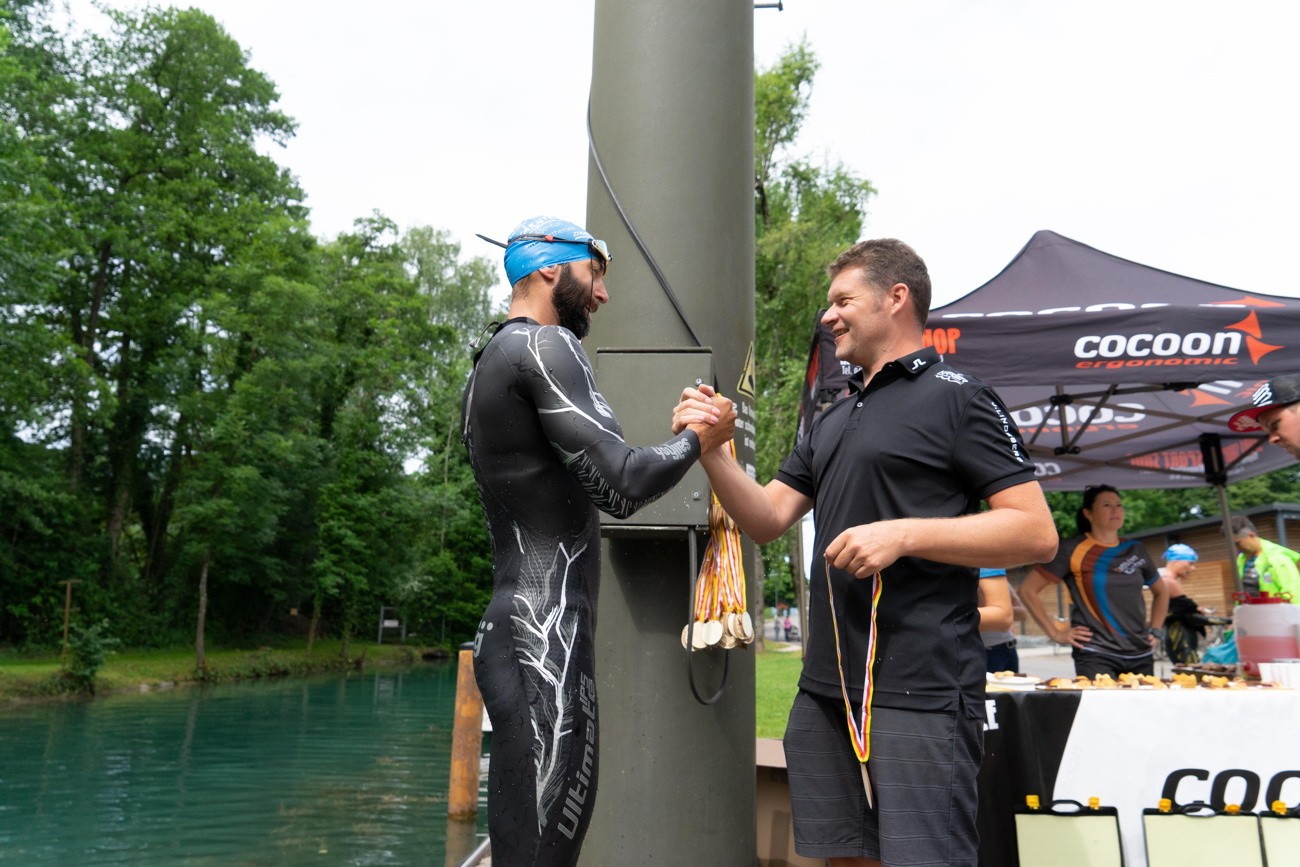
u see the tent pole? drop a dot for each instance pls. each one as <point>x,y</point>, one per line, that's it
<point>1217,474</point>
<point>1227,535</point>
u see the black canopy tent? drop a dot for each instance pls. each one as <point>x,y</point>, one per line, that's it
<point>1120,373</point>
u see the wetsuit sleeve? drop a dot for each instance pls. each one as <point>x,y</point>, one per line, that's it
<point>582,429</point>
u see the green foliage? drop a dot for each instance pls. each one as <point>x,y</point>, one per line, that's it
<point>805,215</point>
<point>171,666</point>
<point>778,588</point>
<point>88,649</point>
<point>196,385</point>
<point>1145,509</point>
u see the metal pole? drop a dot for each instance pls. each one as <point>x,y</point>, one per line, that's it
<point>1222,491</point>
<point>672,121</point>
<point>1216,474</point>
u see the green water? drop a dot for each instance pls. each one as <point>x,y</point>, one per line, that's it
<point>340,770</point>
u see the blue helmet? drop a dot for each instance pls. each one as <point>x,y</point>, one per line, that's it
<point>1180,552</point>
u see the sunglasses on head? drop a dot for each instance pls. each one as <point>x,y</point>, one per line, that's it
<point>599,249</point>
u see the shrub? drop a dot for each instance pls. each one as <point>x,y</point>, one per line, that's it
<point>88,649</point>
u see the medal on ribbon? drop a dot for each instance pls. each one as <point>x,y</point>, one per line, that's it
<point>860,722</point>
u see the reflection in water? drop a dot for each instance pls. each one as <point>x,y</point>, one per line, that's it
<point>342,770</point>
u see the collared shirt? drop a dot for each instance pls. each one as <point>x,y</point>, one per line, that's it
<point>921,440</point>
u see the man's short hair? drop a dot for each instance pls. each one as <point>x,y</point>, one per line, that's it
<point>887,261</point>
<point>1241,524</point>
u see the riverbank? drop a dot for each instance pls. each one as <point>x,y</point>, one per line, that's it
<point>25,678</point>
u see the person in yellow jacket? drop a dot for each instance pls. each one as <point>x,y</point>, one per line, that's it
<point>1264,566</point>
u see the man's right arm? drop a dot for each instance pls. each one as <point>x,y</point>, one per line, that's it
<point>762,513</point>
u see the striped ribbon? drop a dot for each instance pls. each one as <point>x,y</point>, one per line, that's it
<point>860,723</point>
<point>721,587</point>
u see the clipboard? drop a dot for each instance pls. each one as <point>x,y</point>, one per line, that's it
<point>1067,833</point>
<point>1197,834</point>
<point>1279,835</point>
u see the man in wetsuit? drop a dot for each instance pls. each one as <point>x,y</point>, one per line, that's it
<point>547,452</point>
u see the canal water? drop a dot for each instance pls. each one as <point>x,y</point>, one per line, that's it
<point>338,770</point>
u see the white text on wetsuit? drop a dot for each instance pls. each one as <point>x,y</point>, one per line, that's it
<point>576,797</point>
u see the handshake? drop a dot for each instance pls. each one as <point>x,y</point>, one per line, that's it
<point>709,414</point>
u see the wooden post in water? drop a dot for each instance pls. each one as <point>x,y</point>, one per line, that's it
<point>466,739</point>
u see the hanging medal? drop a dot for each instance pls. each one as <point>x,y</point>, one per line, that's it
<point>860,722</point>
<point>720,605</point>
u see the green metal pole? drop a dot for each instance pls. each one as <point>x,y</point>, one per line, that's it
<point>672,120</point>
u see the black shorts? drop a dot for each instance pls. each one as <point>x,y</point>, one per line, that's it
<point>1092,664</point>
<point>923,769</point>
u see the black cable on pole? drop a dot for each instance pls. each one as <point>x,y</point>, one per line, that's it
<point>636,239</point>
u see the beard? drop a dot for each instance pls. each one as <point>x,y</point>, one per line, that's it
<point>572,302</point>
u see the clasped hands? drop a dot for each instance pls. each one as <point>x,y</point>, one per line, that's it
<point>861,551</point>
<point>709,414</point>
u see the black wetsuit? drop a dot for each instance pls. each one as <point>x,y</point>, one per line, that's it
<point>546,452</point>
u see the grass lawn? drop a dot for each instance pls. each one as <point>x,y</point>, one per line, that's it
<point>27,677</point>
<point>776,680</point>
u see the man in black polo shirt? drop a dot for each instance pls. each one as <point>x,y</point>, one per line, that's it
<point>886,735</point>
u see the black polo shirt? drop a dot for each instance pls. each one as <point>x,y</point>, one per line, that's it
<point>922,440</point>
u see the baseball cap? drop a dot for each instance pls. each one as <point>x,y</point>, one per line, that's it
<point>1278,391</point>
<point>1180,552</point>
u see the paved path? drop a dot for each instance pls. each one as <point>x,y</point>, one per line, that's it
<point>1055,661</point>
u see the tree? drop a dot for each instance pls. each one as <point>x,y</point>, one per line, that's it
<point>43,524</point>
<point>804,216</point>
<point>149,139</point>
<point>1156,507</point>
<point>454,583</point>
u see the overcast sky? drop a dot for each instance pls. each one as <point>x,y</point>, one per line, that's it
<point>1163,131</point>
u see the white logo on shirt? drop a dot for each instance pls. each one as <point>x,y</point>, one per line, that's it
<point>1006,431</point>
<point>1129,565</point>
<point>951,376</point>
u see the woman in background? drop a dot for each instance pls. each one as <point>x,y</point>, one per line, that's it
<point>1110,628</point>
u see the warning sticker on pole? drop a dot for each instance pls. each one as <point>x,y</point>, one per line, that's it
<point>746,385</point>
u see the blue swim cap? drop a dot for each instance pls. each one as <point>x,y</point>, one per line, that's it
<point>992,573</point>
<point>1180,552</point>
<point>541,241</point>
